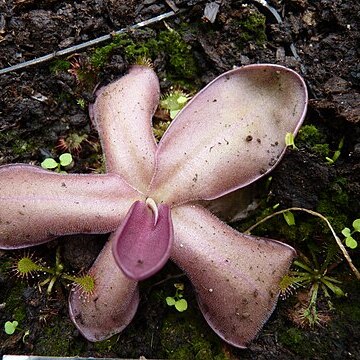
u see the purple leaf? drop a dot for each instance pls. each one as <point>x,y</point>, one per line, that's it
<point>112,305</point>
<point>143,241</point>
<point>123,115</point>
<point>230,134</point>
<point>236,277</point>
<point>37,205</point>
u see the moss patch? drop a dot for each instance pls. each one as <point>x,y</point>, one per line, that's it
<point>314,140</point>
<point>57,339</point>
<point>179,60</point>
<point>182,335</point>
<point>334,204</point>
<point>250,27</point>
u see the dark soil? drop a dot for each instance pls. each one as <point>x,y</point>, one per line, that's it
<point>42,104</point>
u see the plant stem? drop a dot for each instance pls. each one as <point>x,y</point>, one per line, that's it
<point>322,217</point>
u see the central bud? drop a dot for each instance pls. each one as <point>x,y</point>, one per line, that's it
<point>143,241</point>
<point>152,205</point>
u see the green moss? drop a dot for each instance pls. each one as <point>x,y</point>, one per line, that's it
<point>310,135</point>
<point>334,204</point>
<point>59,65</point>
<point>12,139</point>
<point>182,335</point>
<point>321,149</point>
<point>251,28</point>
<point>179,60</point>
<point>313,139</point>
<point>276,227</point>
<point>15,303</point>
<point>101,55</point>
<point>54,340</point>
<point>349,308</point>
<point>105,346</point>
<point>295,340</point>
<point>5,265</point>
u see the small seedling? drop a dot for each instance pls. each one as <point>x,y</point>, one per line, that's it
<point>290,140</point>
<point>350,242</point>
<point>177,300</point>
<point>10,327</point>
<point>65,161</point>
<point>81,102</point>
<point>337,153</point>
<point>27,266</point>
<point>289,218</point>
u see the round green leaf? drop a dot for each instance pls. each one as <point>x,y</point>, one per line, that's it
<point>65,159</point>
<point>181,305</point>
<point>289,218</point>
<point>170,301</point>
<point>356,225</point>
<point>49,163</point>
<point>10,327</point>
<point>351,242</point>
<point>346,232</point>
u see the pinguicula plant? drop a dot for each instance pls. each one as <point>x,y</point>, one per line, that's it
<point>228,136</point>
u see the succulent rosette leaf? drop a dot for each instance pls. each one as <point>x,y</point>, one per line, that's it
<point>228,136</point>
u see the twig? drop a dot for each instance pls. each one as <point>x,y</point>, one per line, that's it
<point>271,9</point>
<point>172,5</point>
<point>322,217</point>
<point>86,44</point>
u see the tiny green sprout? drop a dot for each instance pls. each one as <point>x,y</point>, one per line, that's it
<point>289,218</point>
<point>174,101</point>
<point>81,103</point>
<point>350,242</point>
<point>10,327</point>
<point>337,153</point>
<point>177,300</point>
<point>276,206</point>
<point>26,334</point>
<point>290,140</point>
<point>65,160</point>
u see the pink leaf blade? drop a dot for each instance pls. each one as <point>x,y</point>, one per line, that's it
<point>230,134</point>
<point>236,277</point>
<point>143,241</point>
<point>123,113</point>
<point>37,205</point>
<point>112,305</point>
